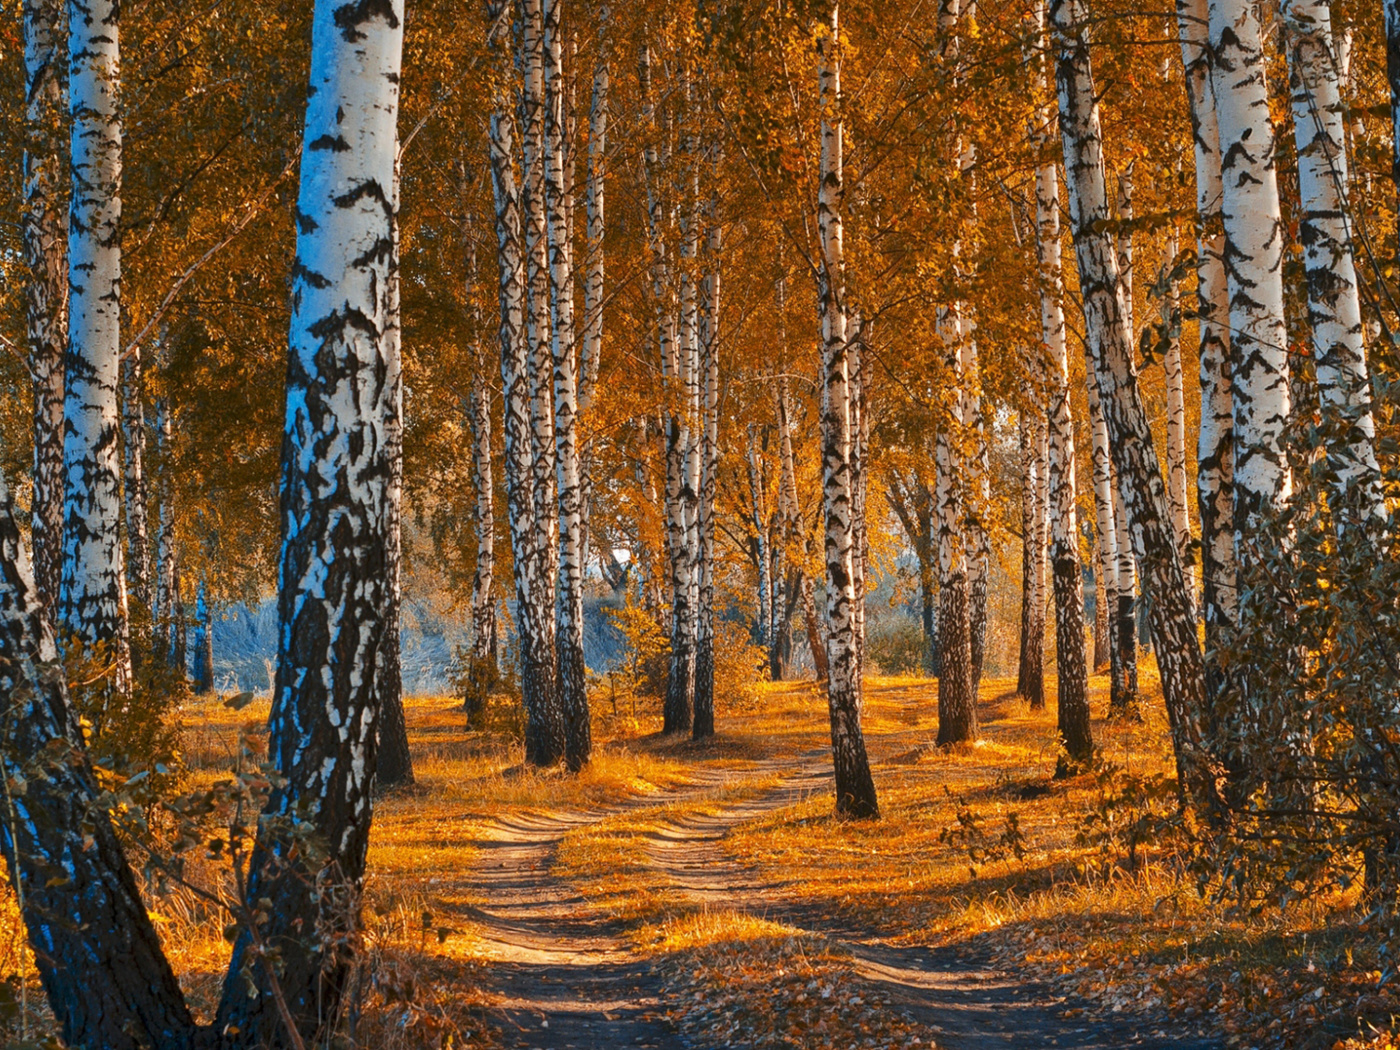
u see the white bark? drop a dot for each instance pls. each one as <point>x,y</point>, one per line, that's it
<point>336,515</point>
<point>1176,417</point>
<point>855,790</point>
<point>93,600</point>
<point>558,191</point>
<point>1214,443</point>
<point>134,481</point>
<point>1254,244</point>
<point>1334,302</point>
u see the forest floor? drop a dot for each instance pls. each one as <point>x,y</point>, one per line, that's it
<point>703,895</point>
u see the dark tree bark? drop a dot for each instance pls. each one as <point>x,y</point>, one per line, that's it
<point>1111,357</point>
<point>336,523</point>
<point>46,290</point>
<point>96,949</point>
<point>203,678</point>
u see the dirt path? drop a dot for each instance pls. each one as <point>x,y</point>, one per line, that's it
<point>570,982</point>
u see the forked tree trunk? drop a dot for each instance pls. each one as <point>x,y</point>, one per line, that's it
<point>332,587</point>
<point>558,193</point>
<point>1030,670</point>
<point>1174,633</point>
<point>46,286</point>
<point>704,722</point>
<point>546,730</point>
<point>1214,443</point>
<point>96,949</point>
<point>1334,302</point>
<point>93,599</point>
<point>855,788</point>
<point>1072,673</point>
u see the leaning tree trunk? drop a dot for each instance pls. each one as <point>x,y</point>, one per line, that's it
<point>134,490</point>
<point>558,194</point>
<point>96,949</point>
<point>546,730</point>
<point>704,721</point>
<point>1140,479</point>
<point>92,606</point>
<point>1214,443</point>
<point>46,286</point>
<point>1068,578</point>
<point>1030,669</point>
<point>855,788</point>
<point>1334,301</point>
<point>335,508</point>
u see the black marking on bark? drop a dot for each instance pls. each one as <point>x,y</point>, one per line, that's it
<point>334,143</point>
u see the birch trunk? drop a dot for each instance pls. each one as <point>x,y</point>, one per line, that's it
<point>1140,480</point>
<point>1101,618</point>
<point>1068,578</point>
<point>162,613</point>
<point>855,789</point>
<point>483,478</point>
<point>558,192</point>
<point>203,678</point>
<point>546,732</point>
<point>1125,568</point>
<point>46,286</point>
<point>689,621</point>
<point>93,599</point>
<point>1030,670</point>
<point>394,761</point>
<point>957,699</point>
<point>134,489</point>
<point>1176,418</point>
<point>335,508</point>
<point>1334,302</point>
<point>101,967</point>
<point>1254,243</point>
<point>1214,442</point>
<point>979,540</point>
<point>704,722</point>
<point>763,544</point>
<point>592,335</point>
<point>1107,530</point>
<point>860,451</point>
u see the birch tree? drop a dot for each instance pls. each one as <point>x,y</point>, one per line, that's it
<point>1111,360</point>
<point>1030,665</point>
<point>1254,244</point>
<point>484,639</point>
<point>1214,442</point>
<point>93,599</point>
<point>558,195</point>
<point>46,285</point>
<point>1334,301</point>
<point>855,789</point>
<point>134,479</point>
<point>704,721</point>
<point>335,501</point>
<point>1067,576</point>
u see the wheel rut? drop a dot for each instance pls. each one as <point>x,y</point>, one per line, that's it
<point>569,979</point>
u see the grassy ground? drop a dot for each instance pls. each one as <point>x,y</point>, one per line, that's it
<point>977,847</point>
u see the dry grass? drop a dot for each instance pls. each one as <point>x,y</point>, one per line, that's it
<point>942,866</point>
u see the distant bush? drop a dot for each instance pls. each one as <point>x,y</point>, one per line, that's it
<point>894,645</point>
<point>740,666</point>
<point>490,692</point>
<point>641,670</point>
